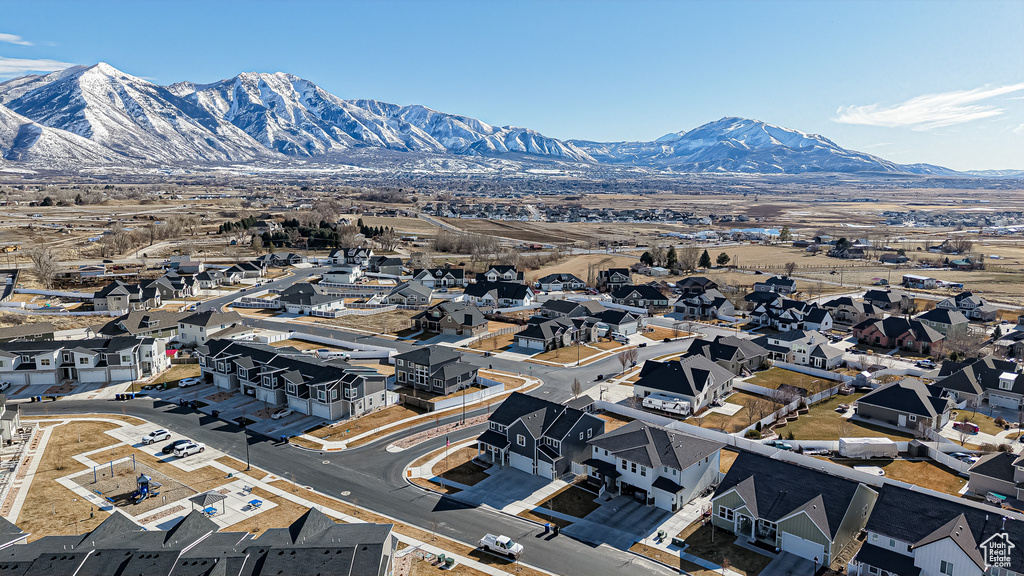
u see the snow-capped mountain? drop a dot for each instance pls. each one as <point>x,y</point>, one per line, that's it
<point>22,140</point>
<point>100,115</point>
<point>742,145</point>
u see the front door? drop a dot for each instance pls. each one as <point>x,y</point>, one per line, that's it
<point>745,526</point>
<point>902,420</point>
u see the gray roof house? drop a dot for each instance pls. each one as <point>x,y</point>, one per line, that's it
<point>944,321</point>
<point>538,436</point>
<point>436,369</point>
<point>410,294</point>
<point>661,467</point>
<point>730,352</point>
<point>799,510</point>
<point>907,403</point>
<point>697,380</point>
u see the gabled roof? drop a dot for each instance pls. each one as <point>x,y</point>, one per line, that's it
<point>463,313</point>
<point>641,291</point>
<point>773,489</point>
<point>943,316</point>
<point>560,277</point>
<point>655,446</point>
<point>412,289</point>
<point>726,348</point>
<point>896,325</point>
<point>908,395</point>
<point>541,417</point>
<point>430,355</point>
<point>212,318</point>
<point>688,377</point>
<point>978,375</point>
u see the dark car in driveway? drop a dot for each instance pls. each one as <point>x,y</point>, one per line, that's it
<point>169,448</point>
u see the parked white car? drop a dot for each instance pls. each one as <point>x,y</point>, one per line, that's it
<point>186,382</point>
<point>189,449</point>
<point>156,436</point>
<point>502,545</point>
<point>281,414</point>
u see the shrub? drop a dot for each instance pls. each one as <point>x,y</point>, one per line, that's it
<point>1005,448</point>
<point>758,426</point>
<point>753,434</point>
<point>987,447</point>
<point>1000,421</point>
<point>790,436</point>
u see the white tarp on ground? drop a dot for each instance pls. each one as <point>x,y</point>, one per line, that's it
<point>867,448</point>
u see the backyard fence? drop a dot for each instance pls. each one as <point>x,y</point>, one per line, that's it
<point>495,334</point>
<point>491,388</point>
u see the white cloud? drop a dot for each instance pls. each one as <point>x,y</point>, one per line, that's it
<point>931,110</point>
<point>18,66</point>
<point>14,39</point>
<point>1019,129</point>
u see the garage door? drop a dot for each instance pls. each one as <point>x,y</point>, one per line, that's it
<point>545,469</point>
<point>520,462</point>
<point>997,400</point>
<point>803,548</point>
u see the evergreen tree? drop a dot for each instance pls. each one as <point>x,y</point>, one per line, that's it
<point>785,234</point>
<point>723,259</point>
<point>705,260</point>
<point>646,259</point>
<point>671,259</point>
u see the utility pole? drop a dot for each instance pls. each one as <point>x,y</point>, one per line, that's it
<point>245,429</point>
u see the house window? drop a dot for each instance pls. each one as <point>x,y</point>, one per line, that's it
<point>913,418</point>
<point>623,464</point>
<point>874,537</point>
<point>520,440</point>
<point>43,362</point>
<point>400,362</point>
<point>632,467</point>
<point>725,513</point>
<point>946,568</point>
<point>126,359</point>
<point>643,471</point>
<point>581,435</point>
<point>401,376</point>
<point>83,360</point>
<point>873,570</point>
<point>892,542</point>
<point>590,432</point>
<point>2,364</point>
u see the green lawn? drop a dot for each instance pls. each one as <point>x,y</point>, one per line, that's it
<point>824,423</point>
<point>987,424</point>
<point>775,377</point>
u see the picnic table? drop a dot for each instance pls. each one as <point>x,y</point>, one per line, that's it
<point>209,511</point>
<point>255,503</point>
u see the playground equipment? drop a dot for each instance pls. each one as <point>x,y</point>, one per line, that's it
<point>145,488</point>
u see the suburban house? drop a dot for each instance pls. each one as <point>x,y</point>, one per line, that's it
<point>614,278</point>
<point>973,307</point>
<point>452,319</point>
<point>171,285</point>
<point>143,324</point>
<point>343,274</point>
<point>500,294</point>
<point>550,333</point>
<point>944,321</point>
<point>538,436</point>
<point>620,322</point>
<point>898,332</point>
<point>385,265</point>
<point>281,259</point>
<point>641,296</point>
<point>329,389</point>
<point>785,314</point>
<point>998,473</point>
<point>93,361</point>
<point>697,380</point>
<point>121,296</point>
<point>892,300</point>
<point>357,255</point>
<point>202,326</point>
<point>118,546</point>
<point>696,285</point>
<point>440,277</point>
<point>211,279</point>
<point>436,369</point>
<point>655,465</point>
<point>893,258</point>
<point>311,300</point>
<point>184,264</point>
<point>805,512</point>
<point>916,281</point>
<point>989,380</point>
<point>932,534</point>
<point>410,294</point>
<point>500,273</point>
<point>710,304</point>
<point>735,354</point>
<point>31,331</point>
<point>560,283</point>
<point>849,311</point>
<point>247,270</point>
<point>561,308</point>
<point>781,285</point>
<point>804,347</point>
<point>907,403</point>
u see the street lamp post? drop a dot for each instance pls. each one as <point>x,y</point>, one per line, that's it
<point>245,429</point>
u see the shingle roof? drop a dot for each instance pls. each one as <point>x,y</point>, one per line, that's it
<point>774,489</point>
<point>429,355</point>
<point>908,395</point>
<point>655,446</point>
<point>689,377</point>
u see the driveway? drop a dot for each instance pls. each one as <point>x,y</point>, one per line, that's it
<point>619,522</point>
<point>503,487</point>
<point>786,564</point>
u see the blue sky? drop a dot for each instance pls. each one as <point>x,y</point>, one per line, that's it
<point>911,81</point>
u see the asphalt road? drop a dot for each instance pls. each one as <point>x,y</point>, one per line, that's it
<point>373,478</point>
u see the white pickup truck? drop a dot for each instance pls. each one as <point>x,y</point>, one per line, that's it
<point>502,545</point>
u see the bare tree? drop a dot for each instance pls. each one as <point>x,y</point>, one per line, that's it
<point>388,239</point>
<point>628,357</point>
<point>959,244</point>
<point>46,262</point>
<point>577,388</point>
<point>790,267</point>
<point>688,256</point>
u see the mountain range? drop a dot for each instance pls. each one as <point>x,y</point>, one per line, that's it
<point>98,116</point>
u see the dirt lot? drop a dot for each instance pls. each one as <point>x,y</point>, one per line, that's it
<point>382,323</point>
<point>613,421</point>
<point>350,428</point>
<point>923,473</point>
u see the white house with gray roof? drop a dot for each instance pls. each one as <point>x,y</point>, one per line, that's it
<point>658,466</point>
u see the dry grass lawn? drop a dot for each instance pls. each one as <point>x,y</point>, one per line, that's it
<point>775,377</point>
<point>279,516</point>
<point>734,423</point>
<point>567,354</point>
<point>460,468</point>
<point>302,345</point>
<point>741,560</point>
<point>239,466</point>
<point>501,342</point>
<point>824,423</point>
<point>728,457</point>
<point>923,473</point>
<point>177,372</point>
<point>50,508</point>
<point>613,421</point>
<point>350,428</point>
